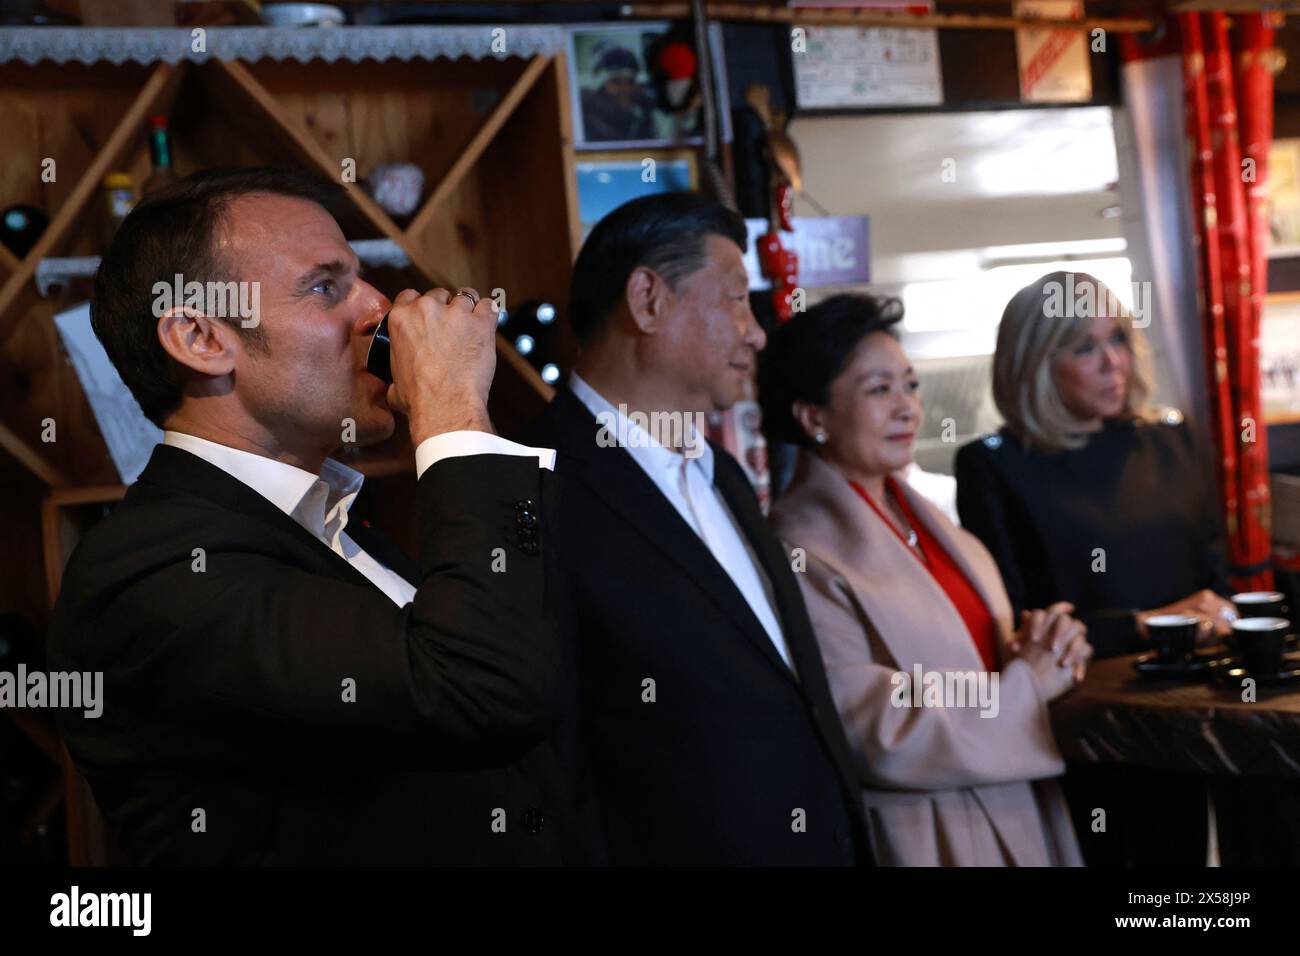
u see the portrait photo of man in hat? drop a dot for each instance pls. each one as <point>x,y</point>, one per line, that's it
<point>620,106</point>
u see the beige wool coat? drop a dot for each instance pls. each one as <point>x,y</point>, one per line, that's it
<point>942,786</point>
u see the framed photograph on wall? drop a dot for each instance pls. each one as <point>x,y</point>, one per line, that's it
<point>636,85</point>
<point>1279,357</point>
<point>1284,198</point>
<point>606,180</point>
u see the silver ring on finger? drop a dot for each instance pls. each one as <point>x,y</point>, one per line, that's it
<point>467,293</point>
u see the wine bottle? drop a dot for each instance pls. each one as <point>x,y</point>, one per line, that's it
<point>20,227</point>
<point>531,330</point>
<point>119,198</point>
<point>160,152</point>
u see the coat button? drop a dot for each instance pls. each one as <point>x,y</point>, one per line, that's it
<point>534,820</point>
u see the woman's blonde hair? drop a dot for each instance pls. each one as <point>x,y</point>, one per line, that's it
<point>1040,324</point>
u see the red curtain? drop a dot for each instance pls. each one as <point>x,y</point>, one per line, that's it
<point>1228,87</point>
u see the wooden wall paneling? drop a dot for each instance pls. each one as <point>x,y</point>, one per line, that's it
<point>66,112</point>
<point>38,381</point>
<point>244,86</point>
<point>535,226</point>
<point>518,394</point>
<point>480,141</point>
<point>316,98</point>
<point>159,85</point>
<point>35,379</point>
<point>527,200</point>
<point>211,128</point>
<point>65,514</point>
<point>70,116</point>
<point>458,237</point>
<point>8,263</point>
<point>560,103</point>
<point>23,592</point>
<point>22,577</point>
<point>31,459</point>
<point>494,218</point>
<point>20,179</point>
<point>380,113</point>
<point>461,237</point>
<point>75,135</point>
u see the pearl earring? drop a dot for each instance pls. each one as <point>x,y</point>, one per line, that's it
<point>820,438</point>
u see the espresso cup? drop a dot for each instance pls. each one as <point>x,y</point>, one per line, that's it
<point>1261,641</point>
<point>1174,635</point>
<point>1260,604</point>
<point>378,356</point>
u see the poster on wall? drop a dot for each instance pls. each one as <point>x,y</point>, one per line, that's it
<point>607,180</point>
<point>130,436</point>
<point>847,67</point>
<point>1055,65</point>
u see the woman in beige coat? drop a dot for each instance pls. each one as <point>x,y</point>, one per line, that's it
<point>943,702</point>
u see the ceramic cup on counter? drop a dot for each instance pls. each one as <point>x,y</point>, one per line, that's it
<point>1174,635</point>
<point>1261,641</point>
<point>1260,604</point>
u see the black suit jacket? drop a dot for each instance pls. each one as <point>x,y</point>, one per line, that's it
<point>225,735</point>
<point>735,761</point>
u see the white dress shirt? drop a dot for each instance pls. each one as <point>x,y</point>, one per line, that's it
<point>687,483</point>
<point>320,503</point>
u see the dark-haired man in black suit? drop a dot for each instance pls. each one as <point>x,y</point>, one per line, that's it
<point>707,729</point>
<point>280,685</point>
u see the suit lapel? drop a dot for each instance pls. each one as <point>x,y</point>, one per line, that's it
<point>178,471</point>
<point>790,610</point>
<point>614,476</point>
<point>796,625</point>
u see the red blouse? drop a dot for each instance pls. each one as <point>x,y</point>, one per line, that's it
<point>946,573</point>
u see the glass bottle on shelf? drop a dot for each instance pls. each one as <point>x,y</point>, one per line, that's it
<point>160,152</point>
<point>20,227</point>
<point>119,197</point>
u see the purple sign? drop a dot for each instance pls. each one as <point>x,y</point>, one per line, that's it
<point>833,250</point>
